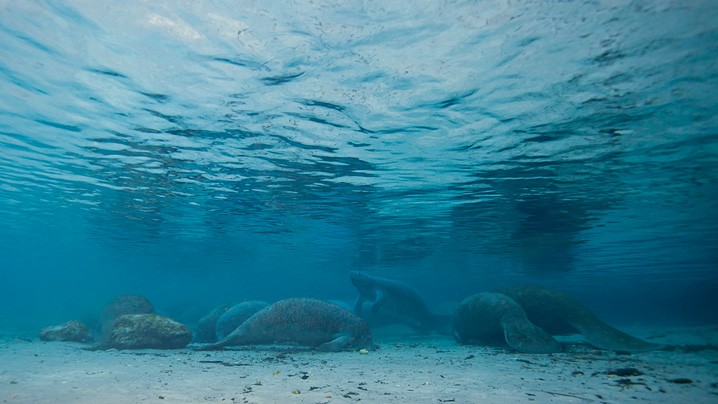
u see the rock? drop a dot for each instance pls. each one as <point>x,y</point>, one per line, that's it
<point>73,331</point>
<point>236,315</point>
<point>206,327</point>
<point>121,305</point>
<point>138,331</point>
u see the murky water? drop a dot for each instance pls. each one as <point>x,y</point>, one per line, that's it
<point>197,152</point>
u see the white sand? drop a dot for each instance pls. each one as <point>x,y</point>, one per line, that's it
<point>415,370</point>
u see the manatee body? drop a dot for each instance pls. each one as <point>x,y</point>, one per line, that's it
<point>492,318</point>
<point>396,297</point>
<point>236,315</point>
<point>559,313</point>
<point>388,318</point>
<point>301,321</point>
<point>205,331</point>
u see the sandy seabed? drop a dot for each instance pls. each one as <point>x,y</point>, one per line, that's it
<point>408,370</point>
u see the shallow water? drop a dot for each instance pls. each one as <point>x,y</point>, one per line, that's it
<point>200,152</point>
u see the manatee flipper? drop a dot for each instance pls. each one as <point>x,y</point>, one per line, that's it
<point>359,305</point>
<point>335,345</point>
<point>523,336</point>
<point>377,302</point>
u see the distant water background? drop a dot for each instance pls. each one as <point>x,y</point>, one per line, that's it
<point>203,152</point>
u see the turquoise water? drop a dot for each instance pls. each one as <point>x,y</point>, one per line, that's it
<point>203,152</point>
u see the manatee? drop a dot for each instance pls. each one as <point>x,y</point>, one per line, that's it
<point>491,318</point>
<point>236,315</point>
<point>205,331</point>
<point>559,313</point>
<point>301,321</point>
<point>396,297</point>
<point>388,318</point>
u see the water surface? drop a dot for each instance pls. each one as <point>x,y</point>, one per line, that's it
<point>199,152</point>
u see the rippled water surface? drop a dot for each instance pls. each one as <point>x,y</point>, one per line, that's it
<point>199,151</point>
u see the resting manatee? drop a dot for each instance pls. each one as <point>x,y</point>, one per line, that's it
<point>236,315</point>
<point>301,321</point>
<point>397,297</point>
<point>491,318</point>
<point>559,313</point>
<point>206,326</point>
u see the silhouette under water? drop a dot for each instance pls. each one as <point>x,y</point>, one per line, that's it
<point>380,174</point>
<point>205,154</point>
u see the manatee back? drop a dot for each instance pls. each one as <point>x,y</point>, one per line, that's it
<point>404,298</point>
<point>205,330</point>
<point>300,321</point>
<point>554,311</point>
<point>236,315</point>
<point>479,317</point>
<point>396,296</point>
<point>492,318</point>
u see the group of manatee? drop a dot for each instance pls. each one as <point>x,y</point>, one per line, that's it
<point>523,317</point>
<point>527,317</point>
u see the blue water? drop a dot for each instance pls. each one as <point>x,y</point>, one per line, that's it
<point>204,152</point>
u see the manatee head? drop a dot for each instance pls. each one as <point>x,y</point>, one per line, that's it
<point>362,282</point>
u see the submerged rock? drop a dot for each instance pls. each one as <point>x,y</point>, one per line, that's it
<point>138,331</point>
<point>236,315</point>
<point>121,305</point>
<point>73,331</point>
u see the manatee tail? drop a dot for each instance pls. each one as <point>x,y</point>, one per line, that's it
<point>602,335</point>
<point>524,336</point>
<point>335,345</point>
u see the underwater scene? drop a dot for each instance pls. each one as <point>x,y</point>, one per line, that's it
<point>339,201</point>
